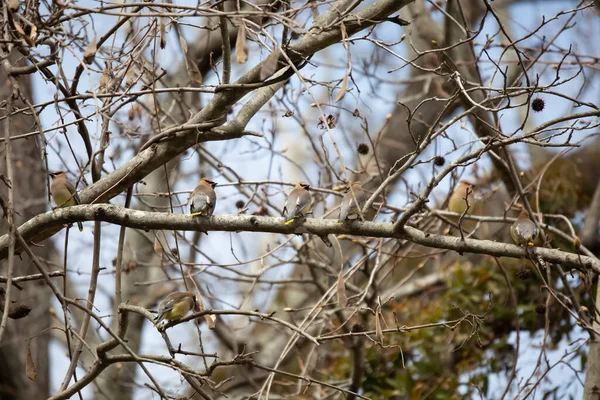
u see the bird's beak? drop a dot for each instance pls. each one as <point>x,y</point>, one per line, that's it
<point>214,184</point>
<point>52,174</point>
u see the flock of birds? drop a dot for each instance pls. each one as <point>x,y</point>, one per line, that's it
<point>203,201</point>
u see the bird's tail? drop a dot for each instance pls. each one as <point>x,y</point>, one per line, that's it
<point>340,223</point>
<point>80,226</point>
<point>289,221</point>
<point>196,213</point>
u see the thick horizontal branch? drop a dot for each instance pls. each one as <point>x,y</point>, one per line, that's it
<point>204,125</point>
<point>53,220</point>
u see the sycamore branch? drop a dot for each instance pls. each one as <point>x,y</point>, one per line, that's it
<point>53,220</point>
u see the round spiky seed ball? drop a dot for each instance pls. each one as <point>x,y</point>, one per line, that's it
<point>540,308</point>
<point>523,273</point>
<point>439,161</point>
<point>363,149</point>
<point>538,104</point>
<point>239,204</point>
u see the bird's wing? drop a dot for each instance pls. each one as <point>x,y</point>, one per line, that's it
<point>198,202</point>
<point>303,201</point>
<point>344,208</point>
<point>73,191</point>
<point>290,201</point>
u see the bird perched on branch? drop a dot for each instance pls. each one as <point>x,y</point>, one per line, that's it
<point>524,231</point>
<point>348,207</point>
<point>64,193</point>
<point>203,199</point>
<point>176,306</point>
<point>298,203</point>
<point>457,202</point>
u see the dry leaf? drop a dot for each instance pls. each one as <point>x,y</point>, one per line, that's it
<point>210,320</point>
<point>344,36</point>
<point>192,70</point>
<point>33,35</point>
<point>241,47</point>
<point>19,28</point>
<point>342,91</point>
<point>190,65</point>
<point>90,51</point>
<point>269,66</point>
<point>184,46</point>
<point>341,290</point>
<point>163,35</point>
<point>30,369</point>
<point>378,330</point>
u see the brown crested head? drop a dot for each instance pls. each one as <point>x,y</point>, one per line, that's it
<point>353,185</point>
<point>468,184</point>
<point>208,182</point>
<point>303,185</point>
<point>57,174</point>
<point>524,214</point>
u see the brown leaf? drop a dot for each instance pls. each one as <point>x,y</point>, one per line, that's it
<point>341,290</point>
<point>378,330</point>
<point>193,71</point>
<point>241,47</point>
<point>342,91</point>
<point>183,44</point>
<point>33,35</point>
<point>190,65</point>
<point>19,28</point>
<point>269,66</point>
<point>30,369</point>
<point>210,320</point>
<point>344,36</point>
<point>90,51</point>
<point>163,35</point>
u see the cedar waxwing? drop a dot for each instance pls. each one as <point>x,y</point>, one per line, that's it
<point>457,202</point>
<point>298,201</point>
<point>63,192</point>
<point>175,306</point>
<point>348,208</point>
<point>203,199</point>
<point>524,231</point>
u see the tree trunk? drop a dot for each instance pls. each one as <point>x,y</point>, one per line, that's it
<point>29,186</point>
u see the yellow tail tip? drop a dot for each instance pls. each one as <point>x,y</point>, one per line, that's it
<point>80,229</point>
<point>196,213</point>
<point>530,244</point>
<point>340,223</point>
<point>290,221</point>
